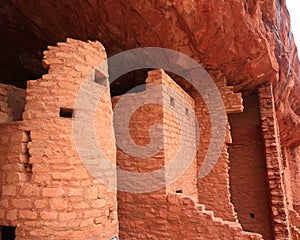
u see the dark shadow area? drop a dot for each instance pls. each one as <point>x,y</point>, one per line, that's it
<point>131,82</point>
<point>248,173</point>
<point>8,233</point>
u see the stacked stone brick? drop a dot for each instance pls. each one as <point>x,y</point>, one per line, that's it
<point>189,220</point>
<point>57,198</point>
<point>248,175</point>
<point>176,212</point>
<point>274,163</point>
<point>48,192</point>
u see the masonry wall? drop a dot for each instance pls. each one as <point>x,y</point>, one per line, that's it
<point>293,159</point>
<point>213,190</point>
<point>55,197</point>
<point>274,163</point>
<point>294,219</point>
<point>248,173</point>
<point>140,216</point>
<point>47,191</point>
<point>189,220</point>
<point>179,122</point>
<point>143,215</point>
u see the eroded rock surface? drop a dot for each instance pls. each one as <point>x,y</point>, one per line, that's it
<point>249,41</point>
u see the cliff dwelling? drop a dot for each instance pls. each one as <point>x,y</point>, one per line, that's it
<point>90,151</point>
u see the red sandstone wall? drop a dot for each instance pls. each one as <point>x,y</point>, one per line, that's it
<point>47,193</point>
<point>274,163</point>
<point>294,218</point>
<point>60,200</point>
<point>178,133</point>
<point>139,215</point>
<point>293,159</point>
<point>189,220</point>
<point>248,174</point>
<point>213,190</point>
<point>143,215</point>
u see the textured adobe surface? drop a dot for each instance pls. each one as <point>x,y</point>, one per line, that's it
<point>247,47</point>
<point>175,212</point>
<point>250,40</point>
<point>46,191</point>
<point>248,175</point>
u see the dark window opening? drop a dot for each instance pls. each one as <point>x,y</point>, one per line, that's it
<point>187,111</point>
<point>28,167</point>
<point>8,233</point>
<point>172,102</point>
<point>66,112</point>
<point>179,191</point>
<point>27,164</point>
<point>131,82</point>
<point>252,215</point>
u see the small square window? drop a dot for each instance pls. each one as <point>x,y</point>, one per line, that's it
<point>7,233</point>
<point>172,101</point>
<point>66,112</point>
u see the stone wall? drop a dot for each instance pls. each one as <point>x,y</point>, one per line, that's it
<point>248,174</point>
<point>274,163</point>
<point>189,220</point>
<point>175,212</point>
<point>143,215</point>
<point>140,214</point>
<point>54,196</point>
<point>213,189</point>
<point>53,187</point>
<point>293,160</point>
<point>179,122</point>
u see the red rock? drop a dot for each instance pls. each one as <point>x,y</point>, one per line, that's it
<point>235,40</point>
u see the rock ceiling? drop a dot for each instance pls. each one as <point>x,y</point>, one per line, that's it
<point>248,40</point>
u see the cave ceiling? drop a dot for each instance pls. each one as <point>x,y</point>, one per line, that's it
<point>249,41</point>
